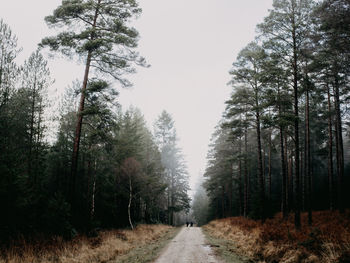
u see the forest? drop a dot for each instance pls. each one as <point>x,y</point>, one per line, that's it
<point>104,168</point>
<point>90,180</point>
<point>282,144</point>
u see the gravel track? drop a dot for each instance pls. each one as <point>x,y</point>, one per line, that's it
<point>189,246</point>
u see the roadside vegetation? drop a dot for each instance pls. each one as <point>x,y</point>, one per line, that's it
<point>328,240</point>
<point>143,244</point>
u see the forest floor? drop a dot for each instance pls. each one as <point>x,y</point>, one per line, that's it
<point>189,246</point>
<point>327,240</point>
<point>141,245</point>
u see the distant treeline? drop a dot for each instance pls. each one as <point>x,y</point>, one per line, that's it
<point>105,168</point>
<point>282,144</point>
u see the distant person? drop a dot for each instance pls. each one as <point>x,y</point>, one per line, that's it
<point>187,223</point>
<point>191,224</point>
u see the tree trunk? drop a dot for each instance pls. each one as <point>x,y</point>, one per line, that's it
<point>287,166</point>
<point>330,152</point>
<point>303,173</point>
<point>283,160</point>
<point>246,181</point>
<point>296,122</point>
<point>284,177</point>
<point>230,191</point>
<point>308,159</point>
<point>223,201</point>
<point>169,214</point>
<point>80,116</point>
<point>340,150</point>
<point>269,165</point>
<point>241,209</point>
<point>263,161</point>
<point>172,200</point>
<point>260,168</point>
<point>129,205</point>
<point>92,214</point>
<point>290,183</point>
<point>31,135</point>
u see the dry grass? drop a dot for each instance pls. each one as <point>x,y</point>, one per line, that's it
<point>107,246</point>
<point>328,240</point>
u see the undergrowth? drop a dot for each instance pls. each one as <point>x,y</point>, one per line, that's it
<point>277,240</point>
<point>106,246</point>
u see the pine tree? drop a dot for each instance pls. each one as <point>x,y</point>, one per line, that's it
<point>248,71</point>
<point>287,26</point>
<point>173,163</point>
<point>97,31</point>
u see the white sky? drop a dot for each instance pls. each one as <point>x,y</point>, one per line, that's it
<point>190,45</point>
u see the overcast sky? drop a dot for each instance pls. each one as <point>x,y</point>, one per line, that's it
<point>190,45</point>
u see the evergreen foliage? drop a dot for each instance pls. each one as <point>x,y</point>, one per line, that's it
<point>279,146</point>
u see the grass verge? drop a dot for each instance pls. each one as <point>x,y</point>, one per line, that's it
<point>150,251</point>
<point>225,249</point>
<point>139,246</point>
<point>277,240</point>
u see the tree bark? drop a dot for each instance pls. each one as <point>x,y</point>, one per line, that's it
<point>92,214</point>
<point>296,121</point>
<point>260,168</point>
<point>80,115</point>
<point>172,200</point>
<point>31,135</point>
<point>290,183</point>
<point>330,152</point>
<point>129,205</point>
<point>269,165</point>
<point>246,180</point>
<point>283,154</point>
<point>340,150</point>
<point>287,166</point>
<point>308,159</point>
<point>230,190</point>
<point>284,177</point>
<point>241,209</point>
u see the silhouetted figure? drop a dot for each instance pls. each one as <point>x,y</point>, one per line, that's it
<point>191,223</point>
<point>187,224</point>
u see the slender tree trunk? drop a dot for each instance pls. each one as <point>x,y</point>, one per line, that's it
<point>260,169</point>
<point>39,137</point>
<point>308,158</point>
<point>223,200</point>
<point>172,199</point>
<point>241,209</point>
<point>269,165</point>
<point>303,173</point>
<point>337,157</point>
<point>230,190</point>
<point>80,115</point>
<point>283,161</point>
<point>340,150</point>
<point>169,214</point>
<point>290,183</point>
<point>129,205</point>
<point>246,180</point>
<point>92,214</point>
<point>296,122</point>
<point>31,135</point>
<point>89,179</point>
<point>284,177</point>
<point>263,157</point>
<point>330,152</point>
<point>287,166</point>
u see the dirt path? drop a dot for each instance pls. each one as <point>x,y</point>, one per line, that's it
<point>189,246</point>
